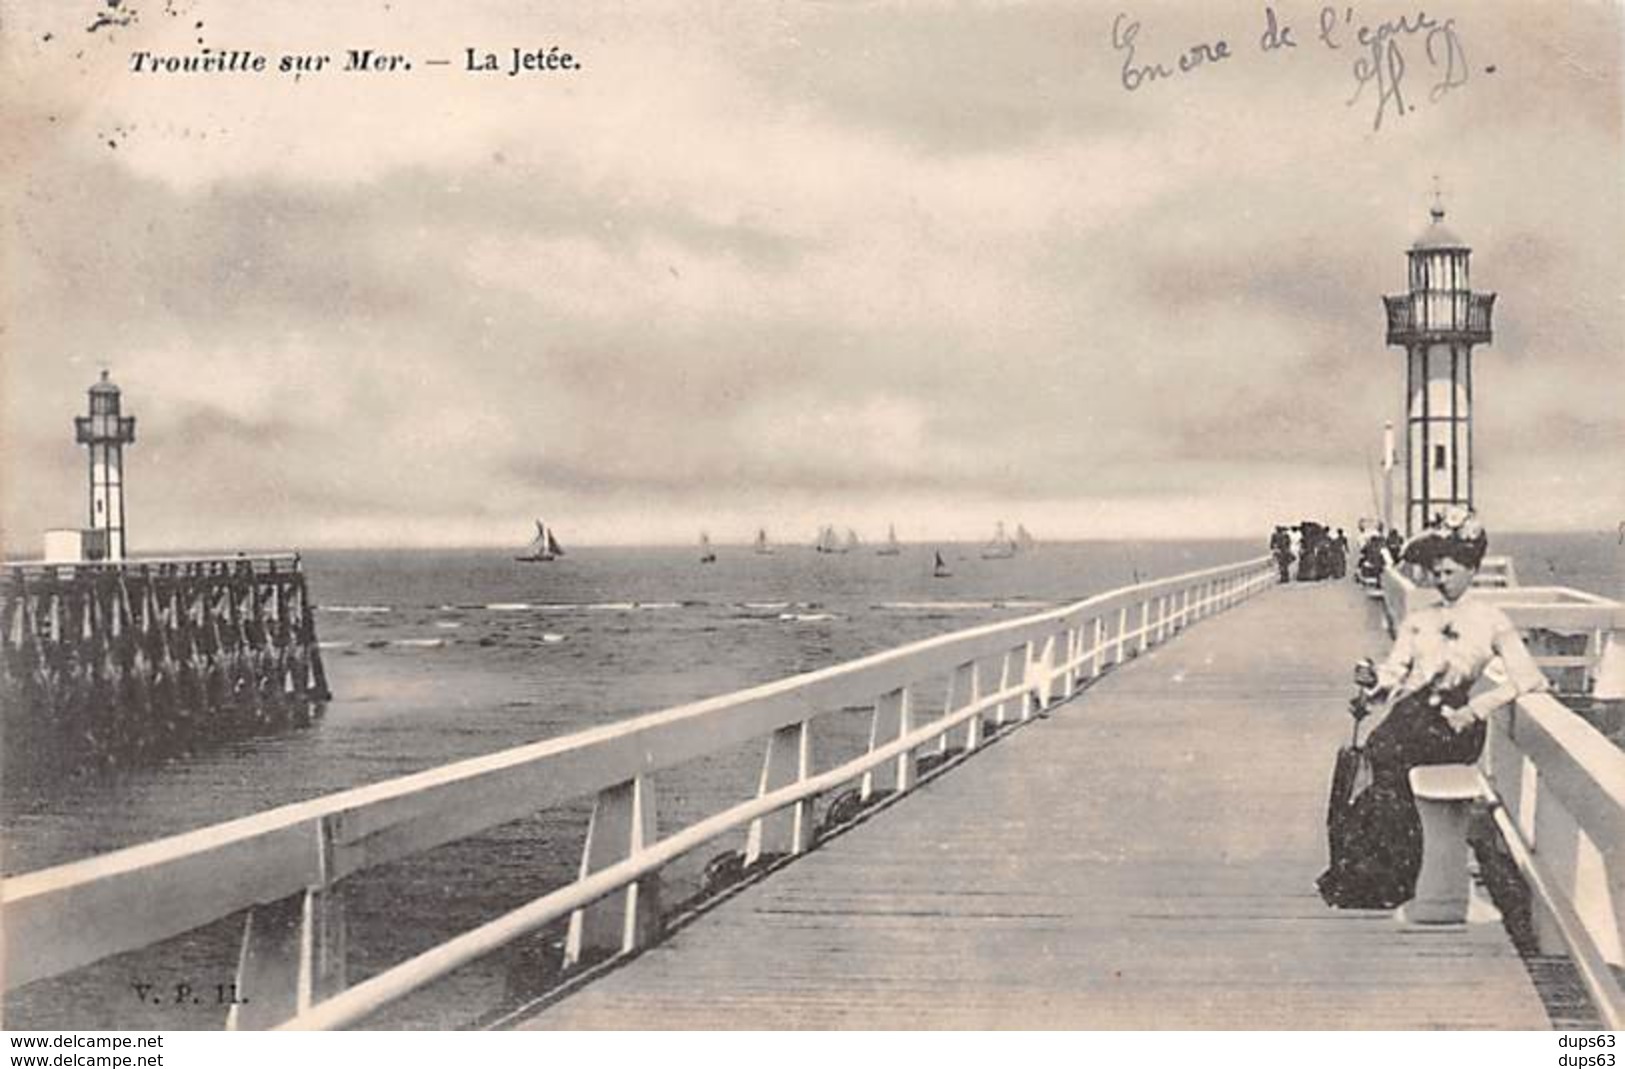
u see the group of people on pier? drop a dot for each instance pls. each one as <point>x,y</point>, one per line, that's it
<point>1379,548</point>
<point>1320,552</point>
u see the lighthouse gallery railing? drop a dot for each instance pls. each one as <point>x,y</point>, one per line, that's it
<point>286,865</point>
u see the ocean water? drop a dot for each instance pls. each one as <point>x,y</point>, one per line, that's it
<point>437,656</point>
<point>1593,562</point>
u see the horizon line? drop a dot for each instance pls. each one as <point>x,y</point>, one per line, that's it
<point>747,544</point>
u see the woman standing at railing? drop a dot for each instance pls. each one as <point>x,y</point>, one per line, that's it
<point>1439,654</point>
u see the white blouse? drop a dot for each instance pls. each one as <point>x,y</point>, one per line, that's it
<point>1453,645</point>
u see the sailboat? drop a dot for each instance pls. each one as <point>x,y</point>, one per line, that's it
<point>707,554</point>
<point>939,567</point>
<point>761,542</point>
<point>544,547</point>
<point>827,542</point>
<point>1024,540</point>
<point>1000,547</point>
<point>891,548</point>
<point>851,541</point>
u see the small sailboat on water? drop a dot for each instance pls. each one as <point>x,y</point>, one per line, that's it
<point>851,541</point>
<point>1024,540</point>
<point>707,554</point>
<point>544,547</point>
<point>892,547</point>
<point>762,547</point>
<point>939,567</point>
<point>827,541</point>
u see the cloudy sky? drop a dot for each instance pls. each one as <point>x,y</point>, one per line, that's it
<point>780,264</point>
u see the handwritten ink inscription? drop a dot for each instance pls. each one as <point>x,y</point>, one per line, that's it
<point>1134,74</point>
<point>1380,54</point>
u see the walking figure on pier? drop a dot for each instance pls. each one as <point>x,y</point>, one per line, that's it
<point>1281,550</point>
<point>1439,654</point>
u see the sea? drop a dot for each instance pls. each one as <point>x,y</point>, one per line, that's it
<point>434,656</point>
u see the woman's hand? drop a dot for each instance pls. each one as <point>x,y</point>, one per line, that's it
<point>1460,719</point>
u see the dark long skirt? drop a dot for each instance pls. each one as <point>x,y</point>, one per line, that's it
<point>1376,843</point>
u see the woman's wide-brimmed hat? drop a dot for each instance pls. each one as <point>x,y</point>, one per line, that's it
<point>1458,535</point>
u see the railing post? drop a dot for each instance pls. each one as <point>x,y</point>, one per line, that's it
<point>1599,897</point>
<point>788,760</point>
<point>623,823</point>
<point>1098,647</point>
<point>1069,676</point>
<point>1122,632</point>
<point>1041,673</point>
<point>892,720</point>
<point>293,951</point>
<point>1556,844</point>
<point>1608,671</point>
<point>966,689</point>
<point>1145,625</point>
<point>1011,669</point>
<point>885,725</point>
<point>1516,783</point>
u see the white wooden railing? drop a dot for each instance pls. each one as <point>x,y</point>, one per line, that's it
<point>1558,786</point>
<point>286,866</point>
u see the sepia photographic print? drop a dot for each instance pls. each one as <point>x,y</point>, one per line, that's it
<point>907,516</point>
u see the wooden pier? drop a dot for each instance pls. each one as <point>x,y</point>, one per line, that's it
<point>106,662</point>
<point>1144,858</point>
<point>1104,815</point>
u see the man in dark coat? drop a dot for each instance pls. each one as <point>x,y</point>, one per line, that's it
<point>1281,550</point>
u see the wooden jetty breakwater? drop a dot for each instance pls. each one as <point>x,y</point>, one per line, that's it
<point>105,662</point>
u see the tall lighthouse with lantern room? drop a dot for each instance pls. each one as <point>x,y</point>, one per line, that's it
<point>105,431</point>
<point>1438,322</point>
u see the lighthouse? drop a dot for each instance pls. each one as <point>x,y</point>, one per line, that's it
<point>105,432</point>
<point>1438,322</point>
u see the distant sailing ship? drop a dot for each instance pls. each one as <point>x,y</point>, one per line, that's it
<point>762,546</point>
<point>939,567</point>
<point>1001,547</point>
<point>892,548</point>
<point>851,541</point>
<point>827,541</point>
<point>544,547</point>
<point>707,554</point>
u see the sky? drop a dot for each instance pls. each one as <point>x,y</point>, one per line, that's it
<point>785,264</point>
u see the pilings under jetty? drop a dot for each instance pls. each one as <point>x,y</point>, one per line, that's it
<point>105,663</point>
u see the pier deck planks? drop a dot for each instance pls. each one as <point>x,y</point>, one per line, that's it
<point>1144,858</point>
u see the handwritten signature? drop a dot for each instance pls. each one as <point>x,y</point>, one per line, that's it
<point>1382,63</point>
<point>1379,66</point>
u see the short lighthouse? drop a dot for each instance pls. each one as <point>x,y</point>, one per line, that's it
<point>1438,322</point>
<point>105,432</point>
